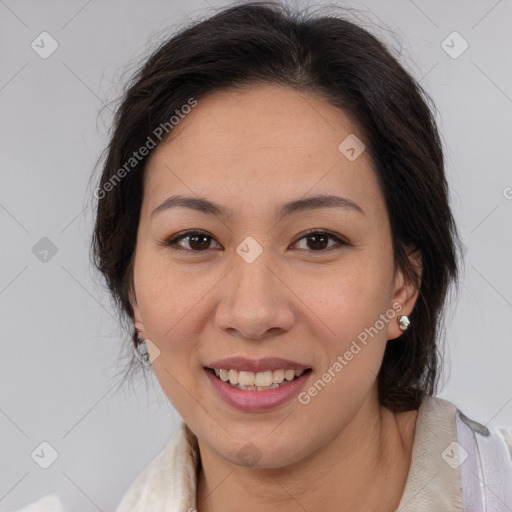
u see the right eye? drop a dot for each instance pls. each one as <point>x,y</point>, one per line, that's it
<point>198,241</point>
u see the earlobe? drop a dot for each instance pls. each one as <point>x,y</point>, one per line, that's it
<point>137,318</point>
<point>405,296</point>
<point>139,324</point>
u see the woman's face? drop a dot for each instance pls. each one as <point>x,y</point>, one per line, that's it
<point>253,287</point>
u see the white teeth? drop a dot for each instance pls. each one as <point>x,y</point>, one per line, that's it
<point>277,376</point>
<point>257,388</point>
<point>246,378</point>
<point>289,374</point>
<point>263,379</point>
<point>233,376</point>
<point>260,381</point>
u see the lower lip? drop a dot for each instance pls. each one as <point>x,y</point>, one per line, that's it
<point>256,400</point>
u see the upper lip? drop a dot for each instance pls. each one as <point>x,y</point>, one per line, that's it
<point>256,365</point>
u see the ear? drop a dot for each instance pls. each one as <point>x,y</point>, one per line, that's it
<point>405,294</point>
<point>152,348</point>
<point>139,324</point>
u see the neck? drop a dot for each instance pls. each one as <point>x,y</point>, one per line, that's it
<point>364,467</point>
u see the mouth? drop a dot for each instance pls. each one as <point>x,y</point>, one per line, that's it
<point>252,385</point>
<point>265,380</point>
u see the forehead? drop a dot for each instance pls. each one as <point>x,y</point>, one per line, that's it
<point>265,144</point>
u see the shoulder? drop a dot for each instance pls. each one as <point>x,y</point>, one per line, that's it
<point>499,436</point>
<point>50,503</point>
<point>168,480</point>
<point>166,483</point>
<point>453,453</point>
<point>485,462</point>
<point>506,433</point>
<point>436,409</point>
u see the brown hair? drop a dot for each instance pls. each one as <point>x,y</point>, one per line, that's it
<point>345,64</point>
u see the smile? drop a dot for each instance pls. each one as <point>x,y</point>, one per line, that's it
<point>261,390</point>
<point>257,381</point>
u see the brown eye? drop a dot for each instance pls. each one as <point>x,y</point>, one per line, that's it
<point>318,241</point>
<point>198,241</point>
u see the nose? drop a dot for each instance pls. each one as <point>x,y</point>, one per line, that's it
<point>255,301</point>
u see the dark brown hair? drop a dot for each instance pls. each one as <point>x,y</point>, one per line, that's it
<point>340,61</point>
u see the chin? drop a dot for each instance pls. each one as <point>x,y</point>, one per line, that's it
<point>261,454</point>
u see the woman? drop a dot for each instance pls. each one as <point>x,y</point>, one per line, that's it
<point>273,218</point>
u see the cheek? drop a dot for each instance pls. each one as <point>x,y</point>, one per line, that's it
<point>350,298</point>
<point>350,306</point>
<point>168,303</point>
<point>166,295</point>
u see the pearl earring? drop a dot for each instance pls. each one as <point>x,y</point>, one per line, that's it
<point>403,322</point>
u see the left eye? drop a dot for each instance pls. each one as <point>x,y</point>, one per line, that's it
<point>320,238</point>
<point>199,241</point>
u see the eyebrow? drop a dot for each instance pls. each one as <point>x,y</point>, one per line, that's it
<point>208,207</point>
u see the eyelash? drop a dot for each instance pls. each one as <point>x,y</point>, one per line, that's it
<point>173,240</point>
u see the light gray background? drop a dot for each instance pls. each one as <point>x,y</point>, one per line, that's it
<point>60,342</point>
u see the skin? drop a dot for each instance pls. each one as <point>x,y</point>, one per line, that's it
<point>252,150</point>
